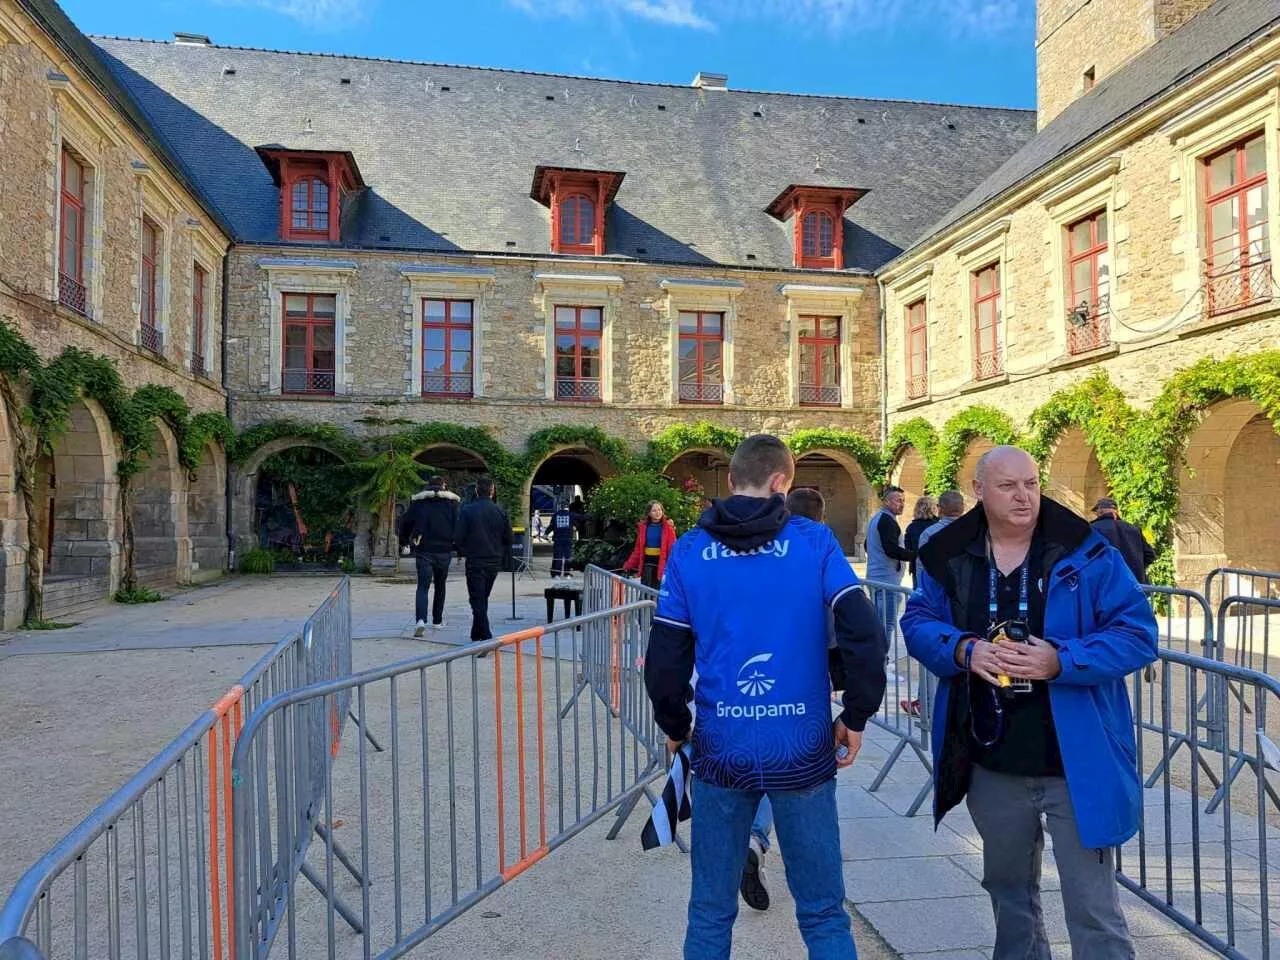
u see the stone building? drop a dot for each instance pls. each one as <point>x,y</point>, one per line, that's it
<point>106,245</point>
<point>549,273</point>
<point>1132,235</point>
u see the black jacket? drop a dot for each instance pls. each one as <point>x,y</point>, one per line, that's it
<point>427,526</point>
<point>483,532</point>
<point>911,539</point>
<point>1128,539</point>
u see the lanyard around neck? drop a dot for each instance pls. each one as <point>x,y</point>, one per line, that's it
<point>993,575</point>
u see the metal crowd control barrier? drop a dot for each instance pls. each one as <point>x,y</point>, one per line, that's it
<point>906,711</point>
<point>481,781</point>
<point>1206,869</point>
<point>1223,582</point>
<point>149,872</point>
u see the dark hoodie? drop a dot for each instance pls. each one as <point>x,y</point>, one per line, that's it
<point>427,526</point>
<point>745,600</point>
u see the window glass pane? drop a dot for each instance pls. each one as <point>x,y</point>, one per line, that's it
<point>586,220</point>
<point>433,361</point>
<point>569,220</point>
<point>295,336</point>
<point>807,326</point>
<point>460,339</point>
<point>688,369</point>
<point>1222,171</point>
<point>590,318</point>
<point>590,346</point>
<point>688,348</point>
<point>1255,156</point>
<point>1255,205</point>
<point>295,305</point>
<point>688,322</point>
<point>986,315</point>
<point>295,358</point>
<point>1102,227</point>
<point>566,316</point>
<point>322,360</point>
<point>808,362</point>
<point>829,360</point>
<point>566,346</point>
<point>300,197</point>
<point>433,338</point>
<point>460,311</point>
<point>826,241</point>
<point>590,367</point>
<point>322,337</point>
<point>984,282</point>
<point>711,359</point>
<point>1081,280</point>
<point>460,361</point>
<point>565,366</point>
<point>1223,219</point>
<point>434,310</point>
<point>830,327</point>
<point>324,305</point>
<point>711,323</point>
<point>1104,272</point>
<point>1080,236</point>
<point>810,235</point>
<point>71,241</point>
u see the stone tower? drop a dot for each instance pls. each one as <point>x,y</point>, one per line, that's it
<point>1081,42</point>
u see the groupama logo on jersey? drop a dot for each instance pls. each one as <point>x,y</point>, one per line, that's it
<point>752,680</point>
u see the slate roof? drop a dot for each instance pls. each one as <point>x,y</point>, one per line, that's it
<point>1213,35</point>
<point>449,152</point>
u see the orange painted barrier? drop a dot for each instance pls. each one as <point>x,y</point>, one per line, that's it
<point>615,652</point>
<point>222,739</point>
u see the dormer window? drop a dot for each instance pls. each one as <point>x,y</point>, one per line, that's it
<point>578,199</point>
<point>314,186</point>
<point>818,222</point>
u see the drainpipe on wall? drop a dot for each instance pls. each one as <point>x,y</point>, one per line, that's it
<point>226,473</point>
<point>884,369</point>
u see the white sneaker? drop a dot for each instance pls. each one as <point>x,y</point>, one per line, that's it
<point>440,626</point>
<point>752,887</point>
<point>420,628</point>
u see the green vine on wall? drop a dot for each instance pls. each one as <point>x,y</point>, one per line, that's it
<point>337,440</point>
<point>976,421</point>
<point>917,433</point>
<point>860,448</point>
<point>678,438</point>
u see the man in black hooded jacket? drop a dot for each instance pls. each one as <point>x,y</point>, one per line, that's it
<point>427,530</point>
<point>1125,537</point>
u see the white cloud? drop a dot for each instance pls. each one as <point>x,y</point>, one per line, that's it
<point>967,17</point>
<point>323,14</point>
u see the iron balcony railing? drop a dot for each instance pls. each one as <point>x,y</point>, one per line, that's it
<point>917,386</point>
<point>71,294</point>
<point>198,367</point>
<point>820,395</point>
<point>694,392</point>
<point>309,381</point>
<point>446,385</point>
<point>584,390</point>
<point>1089,325</point>
<point>1243,282</point>
<point>151,339</point>
<point>988,365</point>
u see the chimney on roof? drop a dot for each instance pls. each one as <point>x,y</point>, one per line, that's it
<point>191,39</point>
<point>711,81</point>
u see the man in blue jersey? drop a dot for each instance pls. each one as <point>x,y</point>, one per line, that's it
<point>745,599</point>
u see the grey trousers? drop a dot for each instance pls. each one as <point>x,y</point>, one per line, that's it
<point>1007,811</point>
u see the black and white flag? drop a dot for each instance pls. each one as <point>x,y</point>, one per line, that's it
<point>674,805</point>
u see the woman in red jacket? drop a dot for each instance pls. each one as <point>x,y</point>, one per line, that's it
<point>655,536</point>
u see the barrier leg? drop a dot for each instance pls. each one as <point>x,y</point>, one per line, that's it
<point>368,734</point>
<point>343,857</point>
<point>343,910</point>
<point>888,765</point>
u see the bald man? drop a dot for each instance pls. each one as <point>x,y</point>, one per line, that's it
<point>1032,622</point>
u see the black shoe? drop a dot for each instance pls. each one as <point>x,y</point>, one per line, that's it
<point>753,890</point>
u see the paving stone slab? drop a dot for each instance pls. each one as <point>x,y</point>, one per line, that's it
<point>920,926</point>
<point>875,881</point>
<point>893,839</point>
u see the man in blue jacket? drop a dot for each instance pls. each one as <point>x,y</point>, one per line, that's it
<point>1032,621</point>
<point>745,596</point>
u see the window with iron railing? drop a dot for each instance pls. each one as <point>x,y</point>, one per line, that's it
<point>71,215</point>
<point>150,293</point>
<point>309,343</point>
<point>199,280</point>
<point>1237,265</point>
<point>701,357</point>
<point>917,350</point>
<point>1089,283</point>
<point>447,348</point>
<point>988,358</point>
<point>578,368</point>
<point>819,342</point>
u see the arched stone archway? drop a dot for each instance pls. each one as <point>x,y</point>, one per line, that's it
<point>969,466</point>
<point>708,467</point>
<point>1222,520</point>
<point>1075,477</point>
<point>78,496</point>
<point>566,467</point>
<point>457,465</point>
<point>244,486</point>
<point>909,474</point>
<point>840,480</point>
<point>161,546</point>
<point>207,515</point>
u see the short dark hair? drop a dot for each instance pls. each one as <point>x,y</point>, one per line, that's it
<point>758,458</point>
<point>436,482</point>
<point>951,503</point>
<point>807,502</point>
<point>890,489</point>
<point>484,486</point>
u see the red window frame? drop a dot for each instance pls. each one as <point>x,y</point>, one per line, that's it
<point>917,317</point>
<point>72,199</point>
<point>578,387</point>
<point>1095,332</point>
<point>577,223</point>
<point>314,382</point>
<point>816,342</point>
<point>455,385</point>
<point>199,277</point>
<point>700,389</point>
<point>987,363</point>
<point>150,272</point>
<point>817,235</point>
<point>1246,279</point>
<point>314,193</point>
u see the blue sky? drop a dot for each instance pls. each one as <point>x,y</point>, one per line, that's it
<point>956,51</point>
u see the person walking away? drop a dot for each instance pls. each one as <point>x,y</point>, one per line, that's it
<point>744,600</point>
<point>950,506</point>
<point>537,525</point>
<point>579,511</point>
<point>924,516</point>
<point>1033,622</point>
<point>1125,537</point>
<point>561,541</point>
<point>484,538</point>
<point>427,530</point>
<point>655,536</point>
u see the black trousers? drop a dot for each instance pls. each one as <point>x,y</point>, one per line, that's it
<point>480,578</point>
<point>433,571</point>
<point>561,554</point>
<point>649,573</point>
